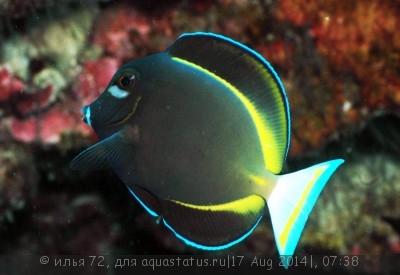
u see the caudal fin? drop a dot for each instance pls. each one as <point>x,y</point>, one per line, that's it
<point>292,200</point>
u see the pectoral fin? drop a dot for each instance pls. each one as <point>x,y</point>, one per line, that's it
<point>115,150</point>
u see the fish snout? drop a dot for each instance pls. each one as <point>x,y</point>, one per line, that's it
<point>86,115</point>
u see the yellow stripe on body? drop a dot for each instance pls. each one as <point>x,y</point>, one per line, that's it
<point>283,238</point>
<point>264,133</point>
<point>252,203</point>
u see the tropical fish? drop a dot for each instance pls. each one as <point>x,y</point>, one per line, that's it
<point>199,134</point>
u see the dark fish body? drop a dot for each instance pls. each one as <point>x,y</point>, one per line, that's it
<point>199,134</point>
<point>185,146</point>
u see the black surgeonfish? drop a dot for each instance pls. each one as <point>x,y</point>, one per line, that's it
<point>199,133</point>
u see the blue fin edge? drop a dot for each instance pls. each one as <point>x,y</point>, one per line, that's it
<point>151,212</point>
<point>211,248</point>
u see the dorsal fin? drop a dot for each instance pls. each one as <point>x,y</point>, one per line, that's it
<point>253,77</point>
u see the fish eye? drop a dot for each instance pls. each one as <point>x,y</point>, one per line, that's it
<point>126,81</point>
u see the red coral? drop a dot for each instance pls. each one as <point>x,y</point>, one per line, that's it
<point>95,76</point>
<point>9,85</point>
<point>36,101</point>
<point>276,52</point>
<point>23,130</point>
<point>48,127</point>
<point>358,37</point>
<point>201,6</point>
<point>47,123</point>
<point>359,41</point>
<point>393,242</point>
<point>116,28</point>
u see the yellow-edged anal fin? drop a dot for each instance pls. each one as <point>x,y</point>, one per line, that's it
<point>283,238</point>
<point>249,204</point>
<point>263,131</point>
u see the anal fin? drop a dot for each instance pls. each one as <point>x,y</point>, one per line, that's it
<point>213,227</point>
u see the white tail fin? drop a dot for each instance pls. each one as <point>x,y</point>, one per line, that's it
<point>292,200</point>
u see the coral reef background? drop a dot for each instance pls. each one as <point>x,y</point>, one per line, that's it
<point>339,62</point>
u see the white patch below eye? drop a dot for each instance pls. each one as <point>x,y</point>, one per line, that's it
<point>117,92</point>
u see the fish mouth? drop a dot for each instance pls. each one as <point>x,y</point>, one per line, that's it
<point>86,115</point>
<point>114,118</point>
